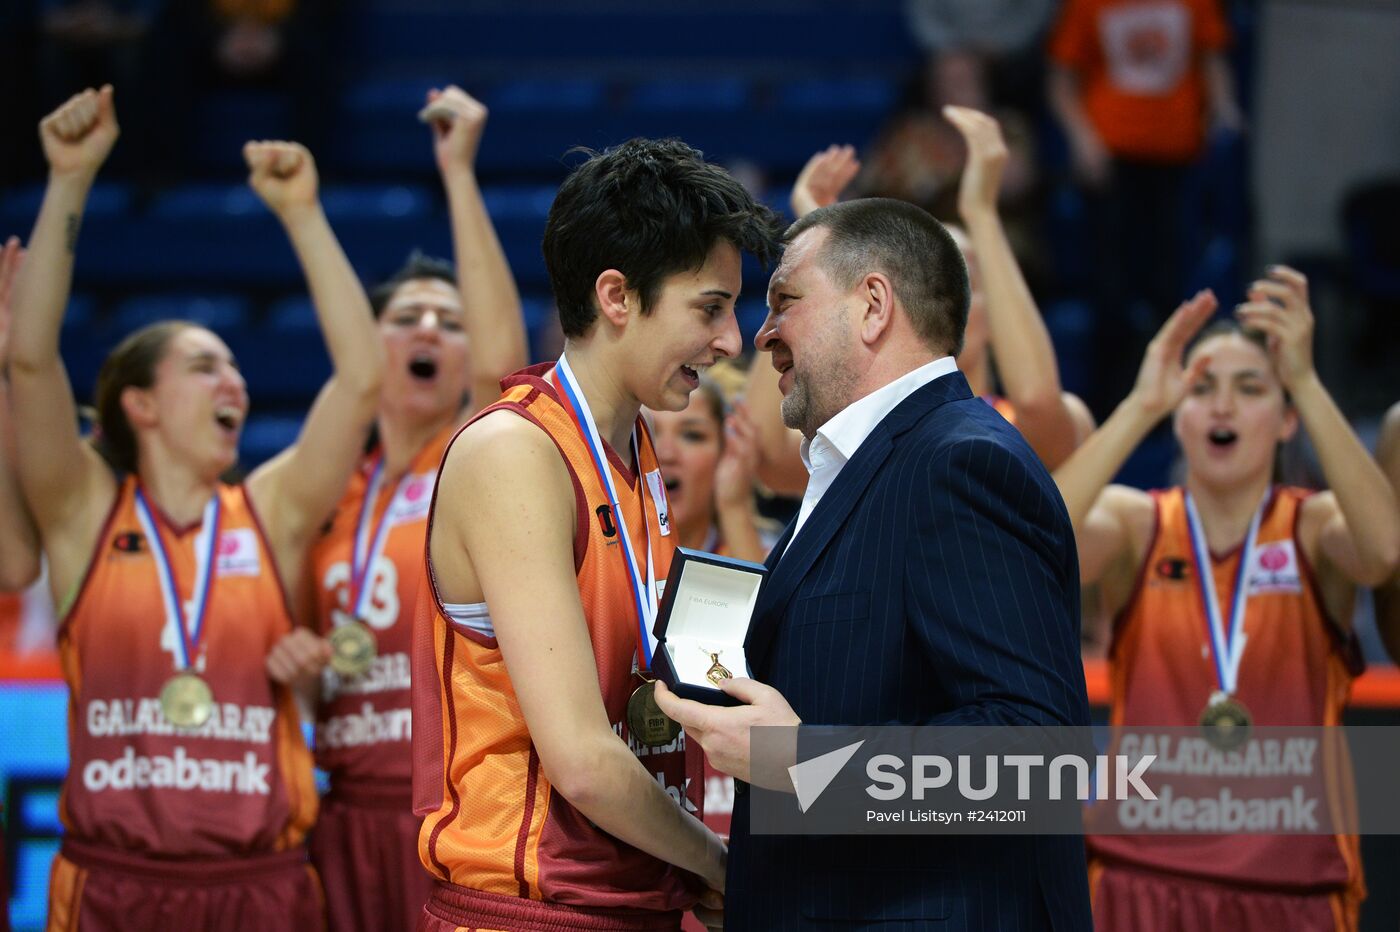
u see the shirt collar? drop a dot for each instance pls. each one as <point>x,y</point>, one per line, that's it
<point>843,434</point>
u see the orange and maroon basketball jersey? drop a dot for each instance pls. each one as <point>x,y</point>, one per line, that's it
<point>1296,669</point>
<point>240,783</point>
<point>363,724</point>
<point>493,821</point>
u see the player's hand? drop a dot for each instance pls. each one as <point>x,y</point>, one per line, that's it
<point>709,912</point>
<point>78,136</point>
<point>283,174</point>
<point>298,658</point>
<point>458,120</point>
<point>11,256</point>
<point>986,160</point>
<point>738,464</point>
<point>1278,306</point>
<point>1163,379</point>
<point>823,178</point>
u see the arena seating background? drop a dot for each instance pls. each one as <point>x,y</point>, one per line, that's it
<point>757,82</point>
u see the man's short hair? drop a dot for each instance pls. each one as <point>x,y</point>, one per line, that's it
<point>417,266</point>
<point>924,264</point>
<point>648,208</point>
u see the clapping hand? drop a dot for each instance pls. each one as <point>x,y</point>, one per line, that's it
<point>1163,379</point>
<point>823,178</point>
<point>1278,306</point>
<point>986,160</point>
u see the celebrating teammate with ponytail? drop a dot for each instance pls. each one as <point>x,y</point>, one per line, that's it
<point>190,787</point>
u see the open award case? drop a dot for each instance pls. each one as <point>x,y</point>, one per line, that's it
<point>703,621</point>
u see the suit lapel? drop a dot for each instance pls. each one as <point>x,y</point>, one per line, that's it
<point>793,557</point>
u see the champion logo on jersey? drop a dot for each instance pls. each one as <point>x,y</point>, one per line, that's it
<point>1174,569</point>
<point>129,542</point>
<point>605,521</point>
<point>1275,569</point>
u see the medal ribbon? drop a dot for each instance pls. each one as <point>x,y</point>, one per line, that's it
<point>644,596</point>
<point>369,543</point>
<point>190,629</point>
<point>1227,642</point>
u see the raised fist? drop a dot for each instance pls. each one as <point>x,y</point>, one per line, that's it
<point>78,135</point>
<point>458,120</point>
<point>282,173</point>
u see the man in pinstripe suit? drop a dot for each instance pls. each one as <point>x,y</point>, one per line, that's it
<point>929,578</point>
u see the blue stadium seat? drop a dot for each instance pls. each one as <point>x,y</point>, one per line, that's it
<point>225,120</point>
<point>282,365</point>
<point>224,314</point>
<point>264,436</point>
<point>294,314</point>
<point>544,95</point>
<point>680,94</point>
<point>20,207</point>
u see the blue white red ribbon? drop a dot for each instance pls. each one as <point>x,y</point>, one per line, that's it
<point>369,544</point>
<point>205,547</point>
<point>644,590</point>
<point>1226,639</point>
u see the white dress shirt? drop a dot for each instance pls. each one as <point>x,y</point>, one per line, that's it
<point>837,440</point>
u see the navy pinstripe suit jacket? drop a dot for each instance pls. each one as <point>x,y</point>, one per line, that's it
<point>936,582</point>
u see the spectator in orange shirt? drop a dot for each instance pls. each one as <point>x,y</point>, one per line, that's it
<point>1136,84</point>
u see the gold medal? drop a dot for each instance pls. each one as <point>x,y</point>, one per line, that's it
<point>648,724</point>
<point>1226,723</point>
<point>353,649</point>
<point>718,672</point>
<point>186,701</point>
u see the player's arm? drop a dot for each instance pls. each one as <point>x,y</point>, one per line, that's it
<point>1102,514</point>
<point>297,489</point>
<point>506,517</point>
<point>490,300</point>
<point>779,447</point>
<point>734,494</point>
<point>1388,594</point>
<point>19,541</point>
<point>1025,357</point>
<point>1357,524</point>
<point>61,476</point>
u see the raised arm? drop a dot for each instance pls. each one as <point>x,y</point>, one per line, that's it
<point>1099,512</point>
<point>19,541</point>
<point>62,477</point>
<point>490,301</point>
<point>296,490</point>
<point>1357,518</point>
<point>1025,357</point>
<point>508,502</point>
<point>734,477</point>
